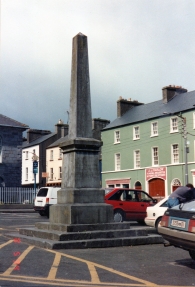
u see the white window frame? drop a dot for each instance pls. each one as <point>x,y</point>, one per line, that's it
<point>51,154</point>
<point>174,154</point>
<point>60,153</point>
<point>154,129</point>
<point>1,149</point>
<point>60,172</point>
<point>174,125</point>
<point>136,133</point>
<point>155,156</point>
<point>26,174</point>
<point>117,161</point>
<point>193,120</point>
<point>137,159</point>
<point>117,137</point>
<point>51,173</point>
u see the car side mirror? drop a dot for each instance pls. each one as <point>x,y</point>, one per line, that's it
<point>155,200</point>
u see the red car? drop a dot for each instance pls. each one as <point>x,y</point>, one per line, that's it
<point>129,204</point>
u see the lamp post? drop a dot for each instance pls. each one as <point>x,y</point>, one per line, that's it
<point>35,167</point>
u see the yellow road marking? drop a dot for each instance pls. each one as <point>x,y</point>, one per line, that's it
<point>93,272</point>
<point>17,261</point>
<point>54,268</point>
<point>107,269</point>
<point>6,243</point>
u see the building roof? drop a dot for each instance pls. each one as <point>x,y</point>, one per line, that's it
<point>59,141</point>
<point>179,103</point>
<point>39,140</point>
<point>5,121</point>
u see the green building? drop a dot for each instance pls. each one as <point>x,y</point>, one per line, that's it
<point>151,146</point>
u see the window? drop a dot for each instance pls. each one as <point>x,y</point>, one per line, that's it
<point>117,137</point>
<point>155,156</point>
<point>51,154</point>
<point>175,153</point>
<point>136,159</point>
<point>60,172</point>
<point>26,153</point>
<point>26,175</point>
<point>154,129</point>
<point>117,161</point>
<point>51,173</point>
<point>60,153</point>
<point>1,147</point>
<point>136,133</point>
<point>174,125</point>
<point>193,120</point>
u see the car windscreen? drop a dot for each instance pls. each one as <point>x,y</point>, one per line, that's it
<point>42,192</point>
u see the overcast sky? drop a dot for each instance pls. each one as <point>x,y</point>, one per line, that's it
<point>136,47</point>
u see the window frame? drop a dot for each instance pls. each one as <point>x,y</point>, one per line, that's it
<point>155,156</point>
<point>136,136</point>
<point>51,173</point>
<point>174,128</point>
<point>117,161</point>
<point>51,154</point>
<point>117,138</point>
<point>137,161</point>
<point>173,155</point>
<point>153,133</point>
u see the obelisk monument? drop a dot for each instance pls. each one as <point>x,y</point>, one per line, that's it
<point>80,200</point>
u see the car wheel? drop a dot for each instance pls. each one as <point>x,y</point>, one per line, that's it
<point>157,223</point>
<point>192,254</point>
<point>42,213</point>
<point>119,216</point>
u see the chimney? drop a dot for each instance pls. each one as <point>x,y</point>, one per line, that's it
<point>61,129</point>
<point>35,134</point>
<point>124,105</point>
<point>98,125</point>
<point>170,91</point>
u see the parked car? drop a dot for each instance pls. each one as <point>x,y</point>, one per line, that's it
<point>129,204</point>
<point>45,197</point>
<point>155,213</point>
<point>178,227</point>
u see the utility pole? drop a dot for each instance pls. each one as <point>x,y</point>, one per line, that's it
<point>186,150</point>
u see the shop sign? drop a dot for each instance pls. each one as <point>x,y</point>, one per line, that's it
<point>156,172</point>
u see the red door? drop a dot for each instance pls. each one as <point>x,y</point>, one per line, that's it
<point>157,187</point>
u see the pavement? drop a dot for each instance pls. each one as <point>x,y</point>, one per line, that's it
<point>16,208</point>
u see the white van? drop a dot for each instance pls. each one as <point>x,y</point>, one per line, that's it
<point>45,197</point>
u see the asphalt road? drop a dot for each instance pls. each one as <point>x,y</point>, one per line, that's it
<point>145,265</point>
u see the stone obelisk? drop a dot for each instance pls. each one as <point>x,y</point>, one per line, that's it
<point>80,200</point>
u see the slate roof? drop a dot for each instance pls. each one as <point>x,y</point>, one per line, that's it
<point>59,141</point>
<point>37,141</point>
<point>179,103</point>
<point>5,121</point>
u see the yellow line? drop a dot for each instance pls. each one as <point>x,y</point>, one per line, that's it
<point>108,269</point>
<point>54,268</point>
<point>17,261</point>
<point>6,243</point>
<point>93,272</point>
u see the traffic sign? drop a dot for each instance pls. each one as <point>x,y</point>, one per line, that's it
<point>35,166</point>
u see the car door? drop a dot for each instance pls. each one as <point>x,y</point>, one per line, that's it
<point>130,204</point>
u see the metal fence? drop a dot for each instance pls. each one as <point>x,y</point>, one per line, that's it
<point>17,195</point>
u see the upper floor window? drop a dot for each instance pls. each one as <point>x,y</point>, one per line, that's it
<point>174,124</point>
<point>136,159</point>
<point>60,172</point>
<point>26,153</point>
<point>117,137</point>
<point>155,156</point>
<point>193,120</point>
<point>51,154</point>
<point>175,153</point>
<point>136,133</point>
<point>117,161</point>
<point>1,147</point>
<point>60,153</point>
<point>154,129</point>
<point>51,173</point>
<point>26,174</point>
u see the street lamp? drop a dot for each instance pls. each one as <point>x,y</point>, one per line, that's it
<point>35,167</point>
<point>186,150</point>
